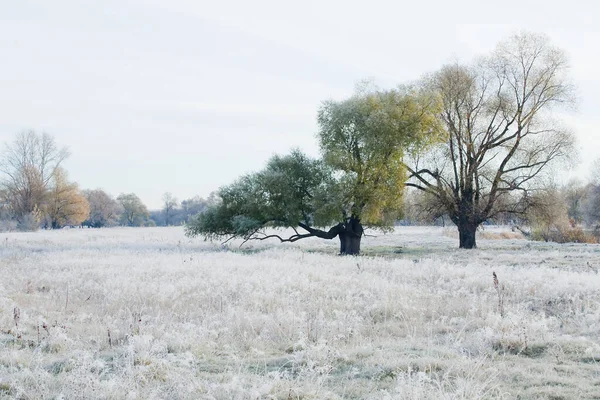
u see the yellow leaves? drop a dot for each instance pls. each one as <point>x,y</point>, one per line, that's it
<point>66,203</point>
<point>382,195</point>
<point>366,138</point>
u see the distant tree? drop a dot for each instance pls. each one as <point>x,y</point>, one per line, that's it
<point>177,213</point>
<point>595,173</point>
<point>28,165</point>
<point>192,207</point>
<point>501,134</point>
<point>363,140</point>
<point>7,222</point>
<point>170,204</point>
<point>27,198</point>
<point>574,193</point>
<point>104,209</point>
<point>549,221</point>
<point>157,217</point>
<point>591,205</point>
<point>134,211</point>
<point>547,212</point>
<point>422,208</point>
<point>591,202</point>
<point>149,222</point>
<point>66,204</point>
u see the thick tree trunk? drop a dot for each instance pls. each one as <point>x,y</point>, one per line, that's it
<point>466,235</point>
<point>350,237</point>
<point>466,220</point>
<point>350,233</point>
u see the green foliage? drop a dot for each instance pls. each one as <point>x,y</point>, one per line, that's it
<point>134,212</point>
<point>361,176</point>
<point>367,137</point>
<point>291,189</point>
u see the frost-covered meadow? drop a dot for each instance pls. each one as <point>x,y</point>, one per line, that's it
<point>150,314</point>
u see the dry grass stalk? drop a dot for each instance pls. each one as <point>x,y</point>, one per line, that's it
<point>16,316</point>
<point>500,291</point>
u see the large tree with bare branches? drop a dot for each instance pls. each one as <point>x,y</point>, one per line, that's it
<point>27,167</point>
<point>502,134</point>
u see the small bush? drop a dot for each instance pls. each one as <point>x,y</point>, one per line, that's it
<point>563,235</point>
<point>30,222</point>
<point>7,225</point>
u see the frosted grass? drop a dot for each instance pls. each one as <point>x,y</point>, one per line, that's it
<point>415,318</point>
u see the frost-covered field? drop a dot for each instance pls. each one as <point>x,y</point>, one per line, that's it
<point>148,314</point>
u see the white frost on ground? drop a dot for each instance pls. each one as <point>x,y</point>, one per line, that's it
<point>415,318</point>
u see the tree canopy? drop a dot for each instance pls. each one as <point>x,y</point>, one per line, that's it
<point>366,139</point>
<point>66,204</point>
<point>104,209</point>
<point>502,132</point>
<point>358,181</point>
<point>134,211</point>
<point>27,167</point>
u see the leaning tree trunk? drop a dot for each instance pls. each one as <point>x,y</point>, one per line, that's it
<point>466,235</point>
<point>350,233</point>
<point>350,237</point>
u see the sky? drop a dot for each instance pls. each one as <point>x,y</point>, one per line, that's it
<point>184,96</point>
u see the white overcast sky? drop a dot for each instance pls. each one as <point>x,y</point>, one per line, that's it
<point>184,96</point>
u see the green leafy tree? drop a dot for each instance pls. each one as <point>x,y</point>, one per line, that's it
<point>134,212</point>
<point>359,182</point>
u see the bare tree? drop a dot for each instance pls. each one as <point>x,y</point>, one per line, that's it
<point>548,211</point>
<point>170,203</point>
<point>595,173</point>
<point>28,165</point>
<point>591,202</point>
<point>104,209</point>
<point>574,193</point>
<point>422,208</point>
<point>195,205</point>
<point>591,206</point>
<point>501,134</point>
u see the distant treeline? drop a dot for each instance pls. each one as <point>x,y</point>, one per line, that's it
<point>35,192</point>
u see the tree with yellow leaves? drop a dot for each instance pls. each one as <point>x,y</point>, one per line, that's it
<point>66,204</point>
<point>359,181</point>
